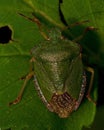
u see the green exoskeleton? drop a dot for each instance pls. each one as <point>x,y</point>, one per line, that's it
<point>58,72</point>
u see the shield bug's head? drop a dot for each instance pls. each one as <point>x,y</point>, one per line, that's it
<point>56,61</point>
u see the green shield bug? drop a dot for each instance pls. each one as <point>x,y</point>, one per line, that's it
<point>58,73</point>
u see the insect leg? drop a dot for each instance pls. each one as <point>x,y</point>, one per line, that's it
<point>82,92</point>
<point>77,23</point>
<point>19,97</point>
<point>36,20</point>
<point>89,69</point>
<point>90,28</point>
<point>40,93</point>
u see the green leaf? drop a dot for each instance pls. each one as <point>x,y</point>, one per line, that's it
<point>30,113</point>
<point>98,123</point>
<point>93,43</point>
<point>48,9</point>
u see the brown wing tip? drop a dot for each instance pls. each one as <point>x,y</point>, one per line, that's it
<point>62,104</point>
